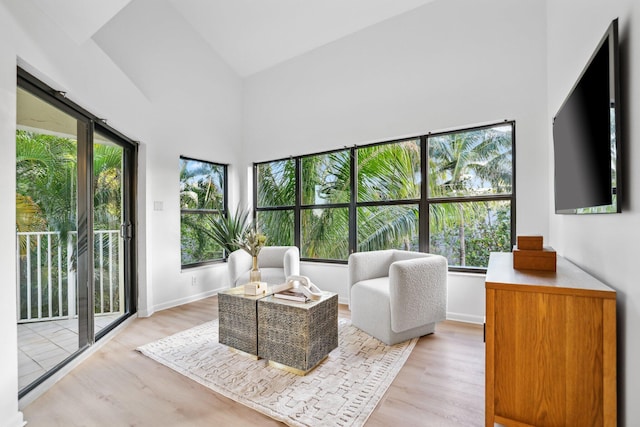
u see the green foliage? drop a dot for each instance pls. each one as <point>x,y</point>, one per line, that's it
<point>227,230</point>
<point>325,178</point>
<point>46,184</point>
<point>277,184</point>
<point>196,243</point>
<point>474,230</point>
<point>464,164</point>
<point>389,171</point>
<point>385,227</point>
<point>278,225</point>
<point>46,174</point>
<point>325,233</point>
<point>201,185</point>
<point>470,163</point>
<point>46,201</point>
<point>204,230</point>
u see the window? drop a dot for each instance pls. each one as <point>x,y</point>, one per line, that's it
<point>276,196</point>
<point>203,198</point>
<point>389,182</point>
<point>449,193</point>
<point>470,194</point>
<point>324,215</point>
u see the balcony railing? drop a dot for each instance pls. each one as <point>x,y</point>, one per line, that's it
<point>46,280</point>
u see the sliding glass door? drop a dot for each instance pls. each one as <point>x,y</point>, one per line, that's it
<point>112,231</point>
<point>47,238</point>
<point>74,210</point>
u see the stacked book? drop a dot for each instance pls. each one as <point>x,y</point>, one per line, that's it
<point>291,294</point>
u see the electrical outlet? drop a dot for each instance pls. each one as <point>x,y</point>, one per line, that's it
<point>194,280</point>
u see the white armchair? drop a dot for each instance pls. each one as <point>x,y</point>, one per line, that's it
<point>397,295</point>
<point>276,264</point>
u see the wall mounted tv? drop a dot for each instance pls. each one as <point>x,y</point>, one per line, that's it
<point>586,136</point>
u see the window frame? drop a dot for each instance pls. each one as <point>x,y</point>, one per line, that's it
<point>424,202</point>
<point>221,212</point>
<point>428,200</point>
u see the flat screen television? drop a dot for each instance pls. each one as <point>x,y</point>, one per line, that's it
<point>586,136</point>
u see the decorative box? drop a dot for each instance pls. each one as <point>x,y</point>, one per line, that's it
<point>544,259</point>
<point>530,243</point>
<point>255,288</point>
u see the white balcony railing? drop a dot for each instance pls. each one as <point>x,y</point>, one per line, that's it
<point>46,280</point>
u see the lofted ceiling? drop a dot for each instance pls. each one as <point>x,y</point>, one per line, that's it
<point>249,35</point>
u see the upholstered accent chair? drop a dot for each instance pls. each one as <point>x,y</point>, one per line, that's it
<point>397,295</point>
<point>276,264</point>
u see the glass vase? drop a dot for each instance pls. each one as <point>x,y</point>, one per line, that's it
<point>254,274</point>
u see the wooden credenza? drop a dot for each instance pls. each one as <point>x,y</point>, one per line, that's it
<point>550,347</point>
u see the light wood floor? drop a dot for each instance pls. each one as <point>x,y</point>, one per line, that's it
<point>442,383</point>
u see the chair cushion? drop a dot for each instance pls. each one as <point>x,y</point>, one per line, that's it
<point>370,308</point>
<point>378,286</point>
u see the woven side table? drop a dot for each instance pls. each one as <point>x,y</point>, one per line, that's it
<point>238,320</point>
<point>295,334</point>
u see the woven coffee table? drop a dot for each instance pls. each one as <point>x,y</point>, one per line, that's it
<point>297,335</point>
<point>238,320</point>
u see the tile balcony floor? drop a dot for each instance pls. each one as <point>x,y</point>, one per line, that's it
<point>42,345</point>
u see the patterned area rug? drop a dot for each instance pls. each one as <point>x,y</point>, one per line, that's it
<point>342,391</point>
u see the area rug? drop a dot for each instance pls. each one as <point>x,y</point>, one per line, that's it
<point>342,391</point>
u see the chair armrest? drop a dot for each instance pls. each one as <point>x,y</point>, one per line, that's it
<point>418,292</point>
<point>292,262</point>
<point>238,262</point>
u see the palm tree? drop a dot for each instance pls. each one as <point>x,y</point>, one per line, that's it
<point>201,204</point>
<point>107,172</point>
<point>467,164</point>
<point>277,187</point>
<point>461,165</point>
<point>325,181</point>
<point>385,172</point>
<point>46,191</point>
<point>388,172</point>
<point>46,174</point>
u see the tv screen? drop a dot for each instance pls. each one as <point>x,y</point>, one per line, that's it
<point>585,136</point>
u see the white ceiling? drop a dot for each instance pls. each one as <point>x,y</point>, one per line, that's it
<point>250,35</point>
<point>80,19</point>
<point>253,35</point>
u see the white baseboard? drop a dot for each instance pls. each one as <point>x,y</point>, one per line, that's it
<point>459,317</point>
<point>467,318</point>
<point>185,300</point>
<point>145,313</point>
<point>16,421</point>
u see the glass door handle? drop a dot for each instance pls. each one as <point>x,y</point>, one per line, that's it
<point>125,231</point>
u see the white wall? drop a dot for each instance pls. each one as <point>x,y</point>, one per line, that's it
<point>194,109</point>
<point>448,64</point>
<point>604,245</point>
<point>187,103</point>
<point>9,413</point>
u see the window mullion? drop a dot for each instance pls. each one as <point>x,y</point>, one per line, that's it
<point>353,186</point>
<point>423,215</point>
<point>297,228</point>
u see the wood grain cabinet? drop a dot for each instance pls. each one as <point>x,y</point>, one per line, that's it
<point>550,346</point>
